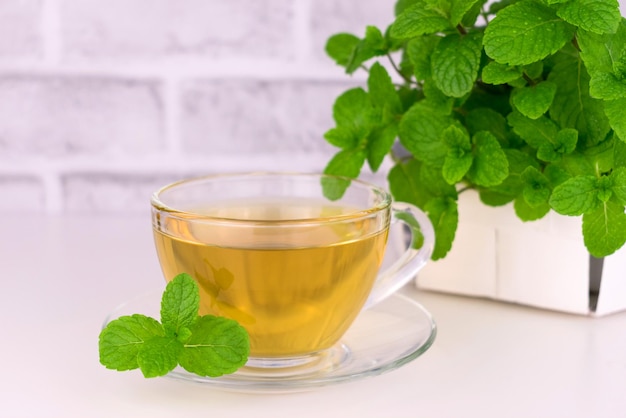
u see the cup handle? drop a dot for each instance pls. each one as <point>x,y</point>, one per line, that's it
<point>412,260</point>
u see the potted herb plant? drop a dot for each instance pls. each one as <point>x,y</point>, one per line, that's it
<point>519,102</point>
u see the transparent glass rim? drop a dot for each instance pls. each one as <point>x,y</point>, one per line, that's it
<point>384,197</point>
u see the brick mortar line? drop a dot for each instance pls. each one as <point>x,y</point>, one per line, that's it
<point>170,69</point>
<point>51,173</point>
<point>164,69</point>
<point>127,164</point>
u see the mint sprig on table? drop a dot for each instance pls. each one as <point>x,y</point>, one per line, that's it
<point>204,345</point>
<point>521,100</point>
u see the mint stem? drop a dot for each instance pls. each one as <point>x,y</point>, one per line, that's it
<point>395,67</point>
<point>529,80</point>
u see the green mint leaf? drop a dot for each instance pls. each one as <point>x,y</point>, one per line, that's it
<point>435,184</point>
<point>536,132</point>
<point>417,236</point>
<point>490,166</point>
<point>604,229</point>
<point>525,32</point>
<point>527,213</point>
<point>614,110</point>
<point>121,340</point>
<point>402,5</point>
<point>555,174</point>
<point>375,40</point>
<point>492,198</point>
<point>471,16</point>
<point>455,137</point>
<point>440,6</point>
<point>599,16</point>
<point>436,99</point>
<point>534,70</point>
<point>603,53</point>
<point>619,184</point>
<point>361,53</point>
<point>372,45</point>
<point>459,158</point>
<point>619,68</point>
<point>605,59</point>
<point>183,334</point>
<point>577,164</point>
<point>519,83</point>
<point>353,110</point>
<point>607,86</point>
<point>605,188</point>
<point>619,152</point>
<point>180,304</point>
<point>342,137</point>
<point>546,152</point>
<point>379,144</point>
<point>572,107</point>
<point>496,73</point>
<point>455,62</point>
<point>513,185</point>
<point>382,91</point>
<point>405,183</point>
<point>601,156</point>
<point>393,44</point>
<point>419,51</point>
<point>443,214</point>
<point>495,7</point>
<point>488,98</point>
<point>217,346</point>
<point>420,130</point>
<point>564,143</point>
<point>575,196</point>
<point>459,8</point>
<point>566,140</point>
<point>341,46</point>
<point>158,356</point>
<point>537,188</point>
<point>485,119</point>
<point>347,165</point>
<point>534,101</point>
<point>418,19</point>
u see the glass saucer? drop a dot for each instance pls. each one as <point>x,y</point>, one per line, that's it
<point>382,338</point>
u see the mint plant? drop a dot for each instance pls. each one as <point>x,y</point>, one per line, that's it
<point>523,101</point>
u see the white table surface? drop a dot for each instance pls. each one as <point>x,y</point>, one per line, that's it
<point>61,275</point>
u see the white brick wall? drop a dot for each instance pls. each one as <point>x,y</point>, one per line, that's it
<point>20,34</point>
<point>256,115</point>
<point>61,116</point>
<point>103,101</point>
<point>136,29</point>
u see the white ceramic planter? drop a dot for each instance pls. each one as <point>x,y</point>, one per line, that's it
<point>542,263</point>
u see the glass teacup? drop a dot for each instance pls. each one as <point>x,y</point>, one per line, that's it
<point>292,266</point>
